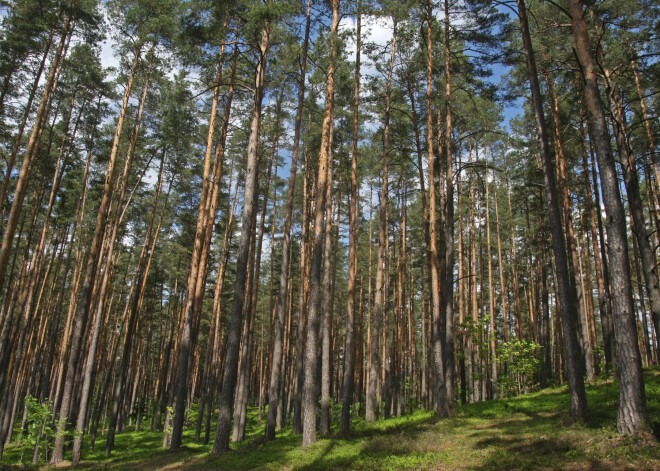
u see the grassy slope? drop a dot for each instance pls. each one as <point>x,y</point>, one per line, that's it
<point>528,432</point>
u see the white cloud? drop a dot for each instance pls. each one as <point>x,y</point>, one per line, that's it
<point>108,58</point>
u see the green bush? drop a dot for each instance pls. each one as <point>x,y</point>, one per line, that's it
<point>519,364</point>
<point>38,427</point>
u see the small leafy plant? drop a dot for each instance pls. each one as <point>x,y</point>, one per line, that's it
<point>520,360</point>
<point>38,428</point>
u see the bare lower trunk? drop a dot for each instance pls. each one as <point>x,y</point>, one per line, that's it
<point>311,341</point>
<point>349,354</point>
<point>631,180</point>
<point>494,366</point>
<point>566,294</point>
<point>448,281</point>
<point>275,375</point>
<point>632,397</point>
<point>90,274</point>
<point>326,315</point>
<point>223,429</point>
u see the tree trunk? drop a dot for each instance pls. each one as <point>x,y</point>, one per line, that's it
<point>311,342</point>
<point>223,429</point>
<point>199,258</point>
<point>565,292</point>
<point>326,314</point>
<point>436,305</point>
<point>144,264</point>
<point>91,264</point>
<point>21,127</point>
<point>632,398</point>
<point>349,352</point>
<point>242,391</point>
<point>494,365</point>
<point>631,180</point>
<point>448,279</point>
<point>87,387</point>
<point>571,240</point>
<point>275,378</point>
<point>303,293</point>
<point>31,150</point>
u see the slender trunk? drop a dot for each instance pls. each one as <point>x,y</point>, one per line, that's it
<point>229,378</point>
<point>142,273</point>
<point>326,314</point>
<point>275,378</point>
<point>242,391</point>
<point>565,292</point>
<point>197,272</point>
<point>21,127</point>
<point>85,298</point>
<point>571,242</point>
<point>349,352</point>
<point>514,264</point>
<point>436,305</point>
<point>632,413</point>
<point>631,180</point>
<point>311,341</point>
<point>302,300</point>
<point>494,365</point>
<point>448,279</point>
<point>500,260</point>
<point>87,386</point>
<point>31,150</point>
<point>473,345</point>
<point>382,274</point>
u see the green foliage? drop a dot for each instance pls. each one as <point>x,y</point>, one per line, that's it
<point>520,360</point>
<point>38,426</point>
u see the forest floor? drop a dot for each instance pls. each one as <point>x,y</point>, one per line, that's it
<point>533,431</point>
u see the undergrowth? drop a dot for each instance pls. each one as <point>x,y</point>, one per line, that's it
<point>533,431</point>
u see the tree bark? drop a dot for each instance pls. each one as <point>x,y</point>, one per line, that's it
<point>32,148</point>
<point>87,387</point>
<point>311,340</point>
<point>571,240</point>
<point>565,292</point>
<point>448,279</point>
<point>144,264</point>
<point>326,314</point>
<point>91,264</point>
<point>632,413</point>
<point>275,378</point>
<point>494,366</point>
<point>631,180</point>
<point>221,443</point>
<point>349,352</point>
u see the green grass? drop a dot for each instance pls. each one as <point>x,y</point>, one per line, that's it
<point>528,432</point>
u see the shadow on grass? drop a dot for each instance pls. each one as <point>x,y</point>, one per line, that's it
<point>371,446</point>
<point>550,453</point>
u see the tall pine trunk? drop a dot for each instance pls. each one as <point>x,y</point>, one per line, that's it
<point>632,413</point>
<point>565,292</point>
<point>274,385</point>
<point>91,268</point>
<point>349,353</point>
<point>311,338</point>
<point>229,378</point>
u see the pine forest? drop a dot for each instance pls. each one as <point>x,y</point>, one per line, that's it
<point>330,234</point>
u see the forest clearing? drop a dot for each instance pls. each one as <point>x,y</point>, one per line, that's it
<point>329,234</point>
